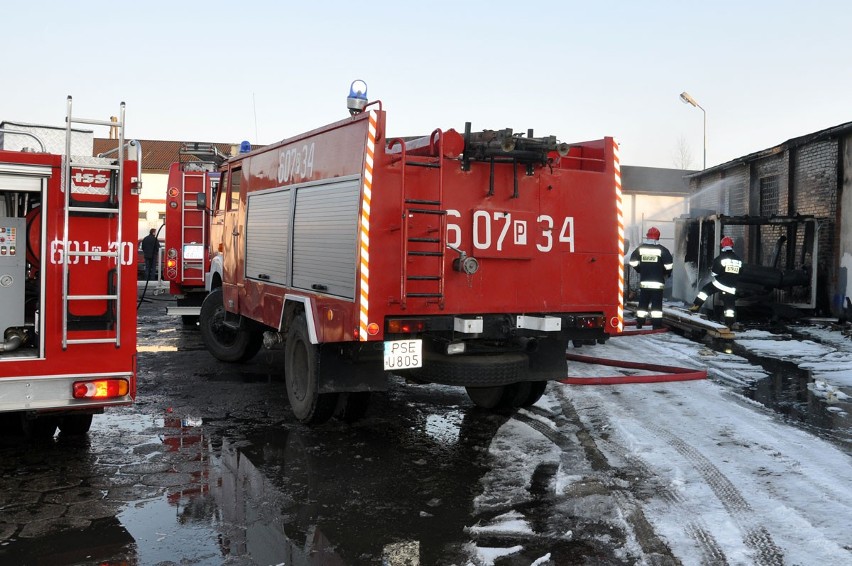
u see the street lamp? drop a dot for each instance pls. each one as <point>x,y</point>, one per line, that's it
<point>686,99</point>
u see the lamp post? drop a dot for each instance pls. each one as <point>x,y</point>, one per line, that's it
<point>686,99</point>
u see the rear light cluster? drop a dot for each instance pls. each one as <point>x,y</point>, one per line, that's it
<point>405,325</point>
<point>100,388</point>
<point>590,321</point>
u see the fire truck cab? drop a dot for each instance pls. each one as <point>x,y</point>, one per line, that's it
<point>471,259</point>
<point>67,275</point>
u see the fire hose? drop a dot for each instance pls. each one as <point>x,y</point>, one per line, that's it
<point>665,373</point>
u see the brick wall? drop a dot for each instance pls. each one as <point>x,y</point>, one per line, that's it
<point>815,173</point>
<point>735,191</point>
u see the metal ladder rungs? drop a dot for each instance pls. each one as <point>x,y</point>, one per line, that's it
<point>424,278</point>
<point>427,254</point>
<point>94,166</point>
<point>92,341</point>
<point>93,209</point>
<point>93,122</point>
<point>92,297</point>
<point>114,212</point>
<point>91,254</point>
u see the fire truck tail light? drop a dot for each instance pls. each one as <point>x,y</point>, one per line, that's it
<point>405,325</point>
<point>594,321</point>
<point>100,389</point>
<point>171,263</point>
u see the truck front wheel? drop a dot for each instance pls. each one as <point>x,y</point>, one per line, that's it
<point>302,375</point>
<point>225,343</point>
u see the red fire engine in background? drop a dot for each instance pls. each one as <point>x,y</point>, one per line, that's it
<point>187,242</point>
<point>467,259</point>
<point>67,280</point>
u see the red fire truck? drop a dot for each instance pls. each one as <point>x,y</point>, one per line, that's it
<point>187,226</point>
<point>67,278</point>
<point>469,259</point>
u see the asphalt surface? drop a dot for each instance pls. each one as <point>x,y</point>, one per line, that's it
<point>210,467</point>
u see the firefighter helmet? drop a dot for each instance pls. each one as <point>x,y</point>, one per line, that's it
<point>653,233</point>
<point>727,243</point>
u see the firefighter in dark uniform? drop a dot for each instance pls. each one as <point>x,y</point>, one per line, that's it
<point>726,271</point>
<point>653,262</point>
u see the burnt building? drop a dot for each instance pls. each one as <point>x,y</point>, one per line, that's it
<point>787,208</point>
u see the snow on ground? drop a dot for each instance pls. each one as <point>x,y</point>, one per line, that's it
<point>719,478</point>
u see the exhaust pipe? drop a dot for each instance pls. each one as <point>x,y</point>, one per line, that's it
<point>12,342</point>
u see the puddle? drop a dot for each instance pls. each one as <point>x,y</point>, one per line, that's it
<point>793,393</point>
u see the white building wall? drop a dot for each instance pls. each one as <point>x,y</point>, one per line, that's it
<point>152,203</point>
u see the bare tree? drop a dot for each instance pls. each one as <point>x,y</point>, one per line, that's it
<point>682,155</point>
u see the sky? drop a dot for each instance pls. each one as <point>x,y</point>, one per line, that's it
<point>763,71</point>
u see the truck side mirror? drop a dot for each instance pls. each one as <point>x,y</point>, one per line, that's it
<point>201,201</point>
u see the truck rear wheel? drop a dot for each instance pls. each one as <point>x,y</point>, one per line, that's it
<point>479,371</point>
<point>352,406</point>
<point>75,424</point>
<point>497,397</point>
<point>39,428</point>
<point>224,342</point>
<point>529,392</point>
<point>522,394</point>
<point>301,375</point>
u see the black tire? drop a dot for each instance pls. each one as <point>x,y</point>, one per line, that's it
<point>489,370</point>
<point>75,425</point>
<point>531,393</point>
<point>496,397</point>
<point>223,342</point>
<point>302,374</point>
<point>39,428</point>
<point>352,406</point>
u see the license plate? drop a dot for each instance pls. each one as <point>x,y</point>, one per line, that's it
<point>403,354</point>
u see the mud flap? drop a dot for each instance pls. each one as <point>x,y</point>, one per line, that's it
<point>547,360</point>
<point>338,374</point>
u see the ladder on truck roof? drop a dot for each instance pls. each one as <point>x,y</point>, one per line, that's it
<point>193,225</point>
<point>429,283</point>
<point>111,207</point>
<point>193,228</point>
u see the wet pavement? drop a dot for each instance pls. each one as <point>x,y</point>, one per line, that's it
<point>210,467</point>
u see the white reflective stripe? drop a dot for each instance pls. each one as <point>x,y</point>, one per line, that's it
<point>668,266</point>
<point>729,313</point>
<point>702,296</point>
<point>651,285</point>
<point>731,262</point>
<point>641,314</point>
<point>656,314</point>
<point>634,262</point>
<point>725,288</point>
<point>650,251</point>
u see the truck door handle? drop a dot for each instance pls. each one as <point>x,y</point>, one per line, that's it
<point>319,287</point>
<point>263,276</point>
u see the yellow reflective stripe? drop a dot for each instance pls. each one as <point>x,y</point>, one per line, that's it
<point>725,288</point>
